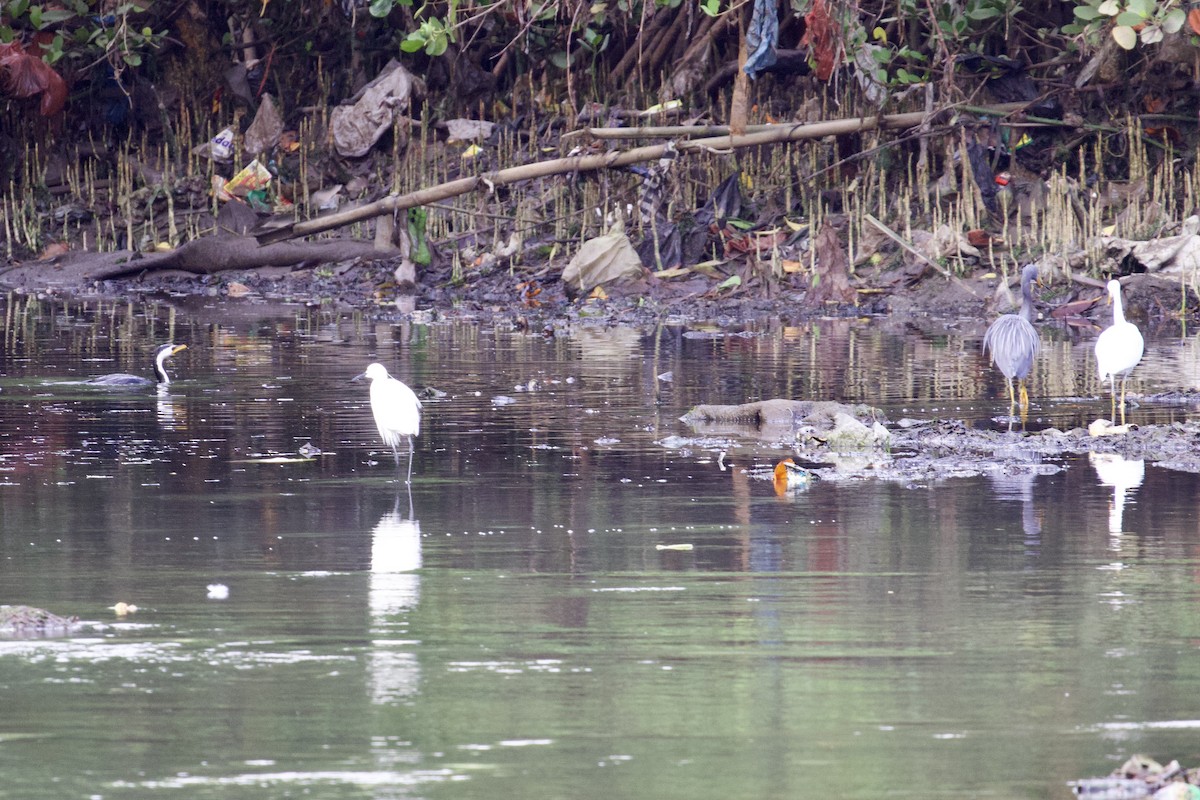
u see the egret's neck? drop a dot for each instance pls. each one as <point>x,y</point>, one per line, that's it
<point>1118,311</point>
<point>161,371</point>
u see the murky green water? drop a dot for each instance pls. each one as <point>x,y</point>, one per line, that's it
<point>576,605</point>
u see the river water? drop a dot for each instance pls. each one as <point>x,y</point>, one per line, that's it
<point>577,598</point>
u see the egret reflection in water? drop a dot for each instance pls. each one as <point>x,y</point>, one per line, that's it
<point>1122,474</point>
<point>395,590</point>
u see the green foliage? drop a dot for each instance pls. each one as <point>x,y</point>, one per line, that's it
<point>433,37</point>
<point>1131,21</point>
<point>80,34</point>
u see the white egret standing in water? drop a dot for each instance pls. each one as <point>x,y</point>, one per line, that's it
<point>1013,341</point>
<point>119,379</point>
<point>396,409</point>
<point>1118,350</point>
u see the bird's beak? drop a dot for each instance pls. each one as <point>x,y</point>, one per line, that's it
<point>358,377</point>
<point>179,348</point>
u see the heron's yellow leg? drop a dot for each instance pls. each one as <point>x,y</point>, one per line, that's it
<point>1024,396</point>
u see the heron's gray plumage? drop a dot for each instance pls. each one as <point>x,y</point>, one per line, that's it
<point>1012,340</point>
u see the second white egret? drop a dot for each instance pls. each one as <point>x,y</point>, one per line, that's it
<point>1118,350</point>
<point>396,409</point>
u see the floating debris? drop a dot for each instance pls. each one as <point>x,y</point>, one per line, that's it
<point>1103,427</point>
<point>273,460</point>
<point>218,591</point>
<point>26,621</point>
<point>788,476</point>
<point>1141,776</point>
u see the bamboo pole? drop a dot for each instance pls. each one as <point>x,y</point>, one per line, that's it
<point>771,134</point>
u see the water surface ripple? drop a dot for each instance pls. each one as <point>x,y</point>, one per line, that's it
<point>575,599</point>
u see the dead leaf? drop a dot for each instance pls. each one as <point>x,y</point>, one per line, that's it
<point>1074,308</point>
<point>981,238</point>
<point>54,251</point>
<point>831,275</point>
<point>235,289</point>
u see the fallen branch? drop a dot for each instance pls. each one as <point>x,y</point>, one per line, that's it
<point>774,134</point>
<point>204,256</point>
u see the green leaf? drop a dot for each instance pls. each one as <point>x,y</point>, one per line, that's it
<point>35,16</point>
<point>1174,20</point>
<point>1151,34</point>
<point>412,43</point>
<point>1086,13</point>
<point>51,16</point>
<point>983,13</point>
<point>437,45</point>
<point>1143,8</point>
<point>380,8</point>
<point>1109,8</point>
<point>730,282</point>
<point>132,59</point>
<point>1129,19</point>
<point>711,7</point>
<point>559,59</point>
<point>1125,36</point>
